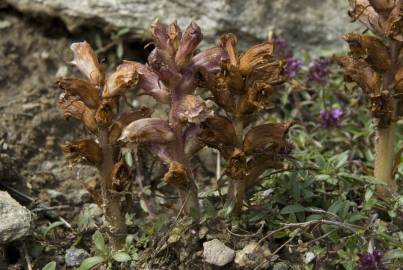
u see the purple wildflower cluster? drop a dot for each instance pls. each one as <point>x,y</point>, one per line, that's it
<point>319,69</point>
<point>331,118</point>
<point>371,261</point>
<point>283,50</point>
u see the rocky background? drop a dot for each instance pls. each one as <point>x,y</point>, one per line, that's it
<point>313,25</point>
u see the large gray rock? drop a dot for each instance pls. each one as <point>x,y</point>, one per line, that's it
<point>15,220</point>
<point>307,24</point>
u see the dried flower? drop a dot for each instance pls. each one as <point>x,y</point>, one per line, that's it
<point>147,130</point>
<point>80,150</point>
<point>87,62</point>
<point>371,261</point>
<point>121,80</point>
<point>319,69</point>
<point>331,118</point>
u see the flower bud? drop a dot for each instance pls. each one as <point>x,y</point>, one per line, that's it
<point>189,41</point>
<point>150,82</point>
<point>87,62</point>
<point>124,78</point>
<point>87,92</point>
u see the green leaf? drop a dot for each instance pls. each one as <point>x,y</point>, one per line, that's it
<point>90,262</point>
<point>339,160</point>
<point>335,207</point>
<point>99,241</point>
<point>52,226</point>
<point>121,257</point>
<point>393,254</point>
<point>294,208</point>
<point>50,266</point>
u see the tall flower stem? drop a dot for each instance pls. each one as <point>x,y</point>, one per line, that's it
<point>238,187</point>
<point>111,202</point>
<point>385,139</point>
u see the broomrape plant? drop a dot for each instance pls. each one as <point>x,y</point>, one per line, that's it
<point>375,63</point>
<point>241,85</point>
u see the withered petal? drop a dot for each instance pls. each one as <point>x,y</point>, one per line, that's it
<point>115,129</point>
<point>87,92</point>
<point>87,62</point>
<point>399,81</point>
<point>359,71</point>
<point>219,133</point>
<point>177,176</point>
<point>257,97</point>
<point>209,60</point>
<point>366,14</point>
<point>228,42</point>
<point>148,130</point>
<point>79,150</point>
<point>261,139</point>
<point>237,165</point>
<point>192,109</point>
<point>255,56</point>
<point>72,107</point>
<point>124,78</point>
<point>370,48</point>
<point>121,176</point>
<point>394,23</point>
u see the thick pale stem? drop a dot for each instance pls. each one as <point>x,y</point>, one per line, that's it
<point>188,198</point>
<point>111,202</point>
<point>384,159</point>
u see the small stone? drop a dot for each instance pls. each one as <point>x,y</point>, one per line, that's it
<point>251,255</point>
<point>280,266</point>
<point>74,256</point>
<point>61,72</point>
<point>15,219</point>
<point>4,24</point>
<point>216,253</point>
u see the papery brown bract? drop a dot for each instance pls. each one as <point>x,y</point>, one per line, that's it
<point>148,130</point>
<point>104,113</point>
<point>218,132</point>
<point>72,107</point>
<point>177,175</point>
<point>265,137</point>
<point>86,91</point>
<point>399,81</point>
<point>124,78</point>
<point>359,71</point>
<point>369,48</point>
<point>255,57</point>
<point>87,62</point>
<point>121,176</point>
<point>85,149</point>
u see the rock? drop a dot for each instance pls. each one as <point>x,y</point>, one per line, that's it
<point>15,219</point>
<point>307,24</point>
<point>74,256</point>
<point>281,266</point>
<point>56,195</point>
<point>216,253</point>
<point>251,255</point>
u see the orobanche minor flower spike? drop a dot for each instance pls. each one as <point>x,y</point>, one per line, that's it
<point>95,102</point>
<point>242,88</point>
<point>375,63</point>
<point>172,73</point>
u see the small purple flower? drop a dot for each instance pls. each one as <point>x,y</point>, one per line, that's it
<point>281,47</point>
<point>319,69</point>
<point>292,66</point>
<point>331,118</point>
<point>371,261</point>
